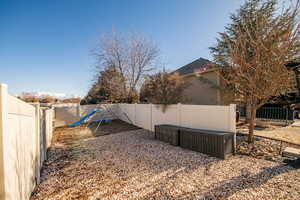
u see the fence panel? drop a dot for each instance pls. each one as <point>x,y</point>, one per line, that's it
<point>148,115</point>
<point>48,127</point>
<point>169,116</point>
<point>18,146</point>
<point>221,118</point>
<point>143,116</point>
<point>70,113</point>
<point>21,128</point>
<point>85,109</point>
<point>20,149</point>
<point>127,113</point>
<point>110,111</point>
<point>66,114</point>
<point>107,108</point>
<point>119,111</point>
<point>207,117</point>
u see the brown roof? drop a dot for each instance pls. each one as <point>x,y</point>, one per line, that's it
<point>197,66</point>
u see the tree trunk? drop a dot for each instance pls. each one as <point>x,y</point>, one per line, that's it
<point>248,113</point>
<point>251,124</point>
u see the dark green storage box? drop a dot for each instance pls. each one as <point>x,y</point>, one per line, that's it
<point>214,143</point>
<point>167,133</point>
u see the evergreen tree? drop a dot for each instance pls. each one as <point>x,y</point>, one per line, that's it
<point>253,51</point>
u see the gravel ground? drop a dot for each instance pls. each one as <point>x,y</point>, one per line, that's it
<point>132,165</point>
<point>263,148</point>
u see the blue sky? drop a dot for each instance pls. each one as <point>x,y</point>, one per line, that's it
<point>45,44</point>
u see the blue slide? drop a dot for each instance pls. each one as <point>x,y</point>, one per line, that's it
<point>84,118</point>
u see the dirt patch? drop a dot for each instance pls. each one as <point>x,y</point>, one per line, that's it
<point>71,135</point>
<point>132,165</point>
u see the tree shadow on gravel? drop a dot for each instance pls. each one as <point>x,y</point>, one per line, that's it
<point>229,187</point>
<point>170,164</point>
<point>106,128</point>
<point>137,149</point>
<point>66,149</point>
<point>68,157</point>
<point>59,165</point>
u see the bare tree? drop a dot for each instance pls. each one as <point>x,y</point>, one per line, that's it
<point>29,98</point>
<point>133,57</point>
<point>257,56</point>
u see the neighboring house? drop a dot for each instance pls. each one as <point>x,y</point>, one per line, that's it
<point>203,83</point>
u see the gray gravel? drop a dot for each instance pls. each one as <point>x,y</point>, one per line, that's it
<point>132,165</point>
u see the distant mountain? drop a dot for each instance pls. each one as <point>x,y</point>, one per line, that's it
<point>49,94</point>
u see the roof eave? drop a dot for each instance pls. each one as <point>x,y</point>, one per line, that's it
<point>199,73</point>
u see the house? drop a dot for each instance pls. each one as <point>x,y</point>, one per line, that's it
<point>203,83</point>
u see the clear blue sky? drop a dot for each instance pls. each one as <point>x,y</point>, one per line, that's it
<point>45,44</point>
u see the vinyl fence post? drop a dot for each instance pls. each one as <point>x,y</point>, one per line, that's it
<point>232,123</point>
<point>3,130</point>
<point>78,111</point>
<point>151,117</point>
<point>42,135</point>
<point>37,136</point>
<point>135,114</point>
<point>179,113</point>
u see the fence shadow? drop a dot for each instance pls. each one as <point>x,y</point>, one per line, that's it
<point>167,164</point>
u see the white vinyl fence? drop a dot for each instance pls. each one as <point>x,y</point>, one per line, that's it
<point>67,114</point>
<point>221,118</point>
<point>25,134</point>
<point>146,116</point>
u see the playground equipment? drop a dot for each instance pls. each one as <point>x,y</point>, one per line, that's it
<point>89,117</point>
<point>85,118</point>
<point>104,112</point>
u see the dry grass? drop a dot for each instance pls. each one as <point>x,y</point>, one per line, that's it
<point>288,133</point>
<point>132,165</point>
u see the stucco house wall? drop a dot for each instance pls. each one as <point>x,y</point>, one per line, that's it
<point>203,83</point>
<point>202,89</point>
